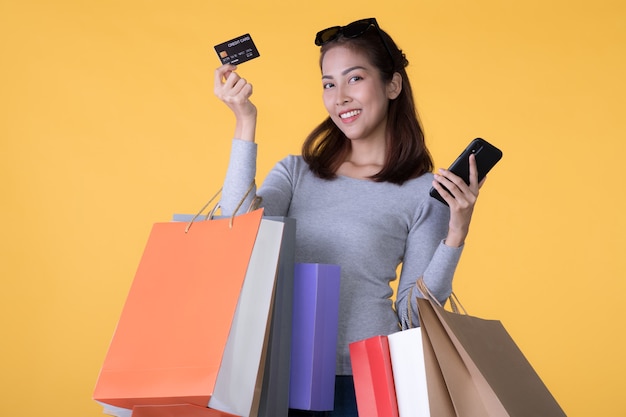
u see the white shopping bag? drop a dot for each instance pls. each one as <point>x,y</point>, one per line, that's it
<point>409,373</point>
<point>237,387</point>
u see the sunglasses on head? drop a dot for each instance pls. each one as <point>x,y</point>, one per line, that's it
<point>352,30</point>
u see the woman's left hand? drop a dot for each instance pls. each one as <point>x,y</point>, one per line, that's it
<point>461,198</point>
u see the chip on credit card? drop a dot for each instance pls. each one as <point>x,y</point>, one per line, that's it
<point>237,50</point>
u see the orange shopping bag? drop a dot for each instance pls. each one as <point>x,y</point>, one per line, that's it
<point>171,335</point>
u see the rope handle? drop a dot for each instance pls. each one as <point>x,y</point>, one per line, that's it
<point>423,289</point>
<point>256,202</point>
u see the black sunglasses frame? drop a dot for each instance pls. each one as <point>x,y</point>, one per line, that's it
<point>351,30</point>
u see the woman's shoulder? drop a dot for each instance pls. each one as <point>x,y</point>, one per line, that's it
<point>294,164</point>
<point>419,183</point>
<point>416,195</point>
<point>294,159</point>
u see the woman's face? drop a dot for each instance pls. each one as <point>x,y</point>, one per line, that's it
<point>354,95</point>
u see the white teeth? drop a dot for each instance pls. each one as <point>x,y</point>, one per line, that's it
<point>349,114</point>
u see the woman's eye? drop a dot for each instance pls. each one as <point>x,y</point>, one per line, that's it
<point>355,78</point>
<point>328,85</point>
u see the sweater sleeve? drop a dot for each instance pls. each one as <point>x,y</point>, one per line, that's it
<point>275,192</point>
<point>426,256</point>
<point>239,175</point>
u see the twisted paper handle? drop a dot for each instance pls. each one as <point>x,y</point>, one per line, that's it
<point>256,202</point>
<point>421,286</point>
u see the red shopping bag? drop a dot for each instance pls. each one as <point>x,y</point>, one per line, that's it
<point>169,341</point>
<point>373,378</point>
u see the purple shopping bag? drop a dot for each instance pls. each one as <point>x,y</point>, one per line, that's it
<point>314,336</point>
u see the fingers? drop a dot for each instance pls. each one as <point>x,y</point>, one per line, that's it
<point>237,87</point>
<point>455,186</point>
<point>229,86</point>
<point>457,191</point>
<point>447,188</point>
<point>461,199</point>
<point>235,92</point>
<point>473,171</point>
<point>222,73</point>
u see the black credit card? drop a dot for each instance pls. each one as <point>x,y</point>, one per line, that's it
<point>237,51</point>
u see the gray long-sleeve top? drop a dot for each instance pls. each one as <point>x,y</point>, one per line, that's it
<point>367,228</point>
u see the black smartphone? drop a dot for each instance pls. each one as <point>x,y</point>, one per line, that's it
<point>487,156</point>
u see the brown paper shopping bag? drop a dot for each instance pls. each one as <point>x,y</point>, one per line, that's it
<point>171,335</point>
<point>485,371</point>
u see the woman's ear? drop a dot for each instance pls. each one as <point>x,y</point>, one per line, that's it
<point>394,87</point>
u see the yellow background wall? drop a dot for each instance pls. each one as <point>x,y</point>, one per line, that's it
<point>108,123</point>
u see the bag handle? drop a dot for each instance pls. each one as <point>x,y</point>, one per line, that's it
<point>455,304</point>
<point>423,289</point>
<point>254,204</point>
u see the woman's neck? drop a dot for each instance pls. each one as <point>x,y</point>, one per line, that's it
<point>364,160</point>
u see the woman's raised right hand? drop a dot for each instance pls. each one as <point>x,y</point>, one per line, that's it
<point>235,92</point>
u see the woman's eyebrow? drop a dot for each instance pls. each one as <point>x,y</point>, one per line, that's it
<point>344,72</point>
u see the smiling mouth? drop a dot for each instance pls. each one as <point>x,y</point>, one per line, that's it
<point>349,114</point>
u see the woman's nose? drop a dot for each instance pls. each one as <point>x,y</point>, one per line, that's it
<point>342,97</point>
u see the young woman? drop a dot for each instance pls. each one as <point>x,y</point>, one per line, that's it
<point>359,192</point>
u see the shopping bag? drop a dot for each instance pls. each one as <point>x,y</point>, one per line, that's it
<point>274,395</point>
<point>409,373</point>
<point>176,410</point>
<point>373,377</point>
<point>485,371</point>
<point>274,399</point>
<point>169,341</point>
<point>111,410</point>
<point>314,336</point>
<point>421,389</point>
<point>238,384</point>
<point>439,400</point>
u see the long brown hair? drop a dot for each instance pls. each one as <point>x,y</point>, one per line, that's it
<point>326,147</point>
